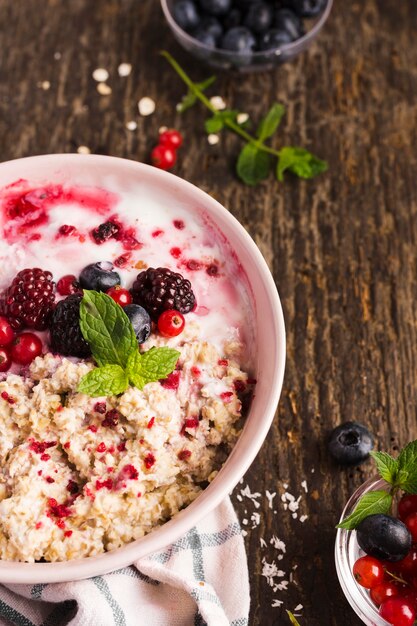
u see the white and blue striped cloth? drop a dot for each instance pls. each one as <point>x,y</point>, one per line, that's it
<point>201,579</point>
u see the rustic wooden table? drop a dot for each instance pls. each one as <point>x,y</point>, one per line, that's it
<point>342,248</point>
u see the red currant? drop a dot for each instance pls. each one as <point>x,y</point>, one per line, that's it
<point>411,523</point>
<point>25,348</point>
<point>5,360</point>
<point>171,323</point>
<point>6,332</point>
<point>406,506</point>
<point>120,295</point>
<point>368,572</point>
<point>407,567</point>
<point>171,138</point>
<point>411,596</point>
<point>67,285</point>
<point>398,611</point>
<point>163,157</point>
<point>386,589</point>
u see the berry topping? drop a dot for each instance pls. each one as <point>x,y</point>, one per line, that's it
<point>368,572</point>
<point>163,157</point>
<point>186,14</point>
<point>5,360</point>
<point>384,537</point>
<point>172,381</point>
<point>99,276</point>
<point>140,321</point>
<point>131,473</point>
<point>184,455</point>
<point>149,460</point>
<point>171,138</point>
<point>120,295</point>
<point>67,285</point>
<point>29,300</point>
<point>350,443</point>
<point>65,332</point>
<point>100,407</point>
<point>171,323</point>
<point>160,289</point>
<point>179,224</point>
<point>6,332</point>
<point>105,231</point>
<point>66,230</point>
<point>386,589</point>
<point>406,506</point>
<point>398,611</point>
<point>238,39</point>
<point>25,348</point>
<point>112,419</point>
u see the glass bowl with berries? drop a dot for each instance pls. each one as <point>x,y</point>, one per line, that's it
<point>376,543</point>
<point>246,34</point>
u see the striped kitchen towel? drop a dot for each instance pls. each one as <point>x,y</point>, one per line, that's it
<point>201,579</point>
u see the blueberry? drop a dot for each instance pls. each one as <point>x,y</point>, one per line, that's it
<point>274,38</point>
<point>259,17</point>
<point>99,276</point>
<point>205,38</point>
<point>287,20</point>
<point>384,537</point>
<point>238,39</point>
<point>307,8</point>
<point>350,443</point>
<point>186,14</point>
<point>245,4</point>
<point>216,7</point>
<point>210,27</point>
<point>140,319</point>
<point>232,19</point>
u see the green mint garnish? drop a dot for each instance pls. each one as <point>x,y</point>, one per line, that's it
<point>110,334</point>
<point>106,327</point>
<point>292,619</point>
<point>153,365</point>
<point>400,473</point>
<point>256,159</point>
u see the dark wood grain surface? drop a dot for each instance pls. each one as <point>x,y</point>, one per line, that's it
<point>342,248</point>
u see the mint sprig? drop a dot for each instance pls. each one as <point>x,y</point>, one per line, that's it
<point>256,159</point>
<point>110,334</point>
<point>400,473</point>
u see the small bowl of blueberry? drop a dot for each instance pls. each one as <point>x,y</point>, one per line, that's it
<point>246,34</point>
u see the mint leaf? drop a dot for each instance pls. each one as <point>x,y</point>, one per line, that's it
<point>300,162</point>
<point>270,122</point>
<point>109,380</point>
<point>387,466</point>
<point>106,327</point>
<point>370,503</point>
<point>407,466</point>
<point>216,123</point>
<point>151,366</point>
<point>190,98</point>
<point>253,165</point>
<point>292,619</point>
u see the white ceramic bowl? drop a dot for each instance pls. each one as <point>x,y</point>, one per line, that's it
<point>270,361</point>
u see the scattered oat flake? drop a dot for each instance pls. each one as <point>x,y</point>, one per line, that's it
<point>245,522</point>
<point>303,518</point>
<point>44,84</point>
<point>242,118</point>
<point>100,75</point>
<point>163,129</point>
<point>255,519</point>
<point>57,56</point>
<point>246,492</point>
<point>304,486</point>
<point>213,139</point>
<point>124,69</point>
<point>277,543</point>
<point>146,106</point>
<point>239,497</point>
<point>244,533</point>
<point>104,89</point>
<point>132,125</point>
<point>299,607</point>
<point>218,103</point>
<point>276,603</point>
<point>270,496</point>
<point>83,150</point>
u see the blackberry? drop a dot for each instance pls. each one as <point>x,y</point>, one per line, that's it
<point>65,331</point>
<point>29,300</point>
<point>105,231</point>
<point>160,289</point>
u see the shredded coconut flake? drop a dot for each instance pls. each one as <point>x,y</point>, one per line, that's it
<point>304,486</point>
<point>270,497</point>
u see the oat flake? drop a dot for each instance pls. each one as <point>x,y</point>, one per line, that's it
<point>124,69</point>
<point>104,89</point>
<point>100,75</point>
<point>83,150</point>
<point>131,125</point>
<point>213,139</point>
<point>146,106</point>
<point>218,103</point>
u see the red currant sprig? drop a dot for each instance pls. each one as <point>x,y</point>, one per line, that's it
<point>164,155</point>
